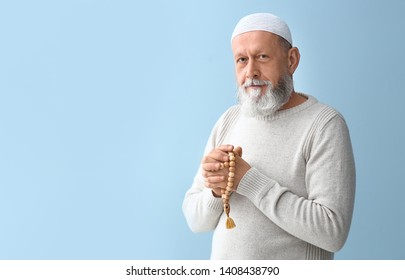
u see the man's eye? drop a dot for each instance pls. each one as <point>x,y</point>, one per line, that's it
<point>241,60</point>
<point>263,56</point>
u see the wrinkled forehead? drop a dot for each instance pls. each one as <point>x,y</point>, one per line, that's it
<point>255,42</point>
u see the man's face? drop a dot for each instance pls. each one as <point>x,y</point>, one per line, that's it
<point>259,55</point>
<point>265,83</point>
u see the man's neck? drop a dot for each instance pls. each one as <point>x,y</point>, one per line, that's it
<point>295,100</point>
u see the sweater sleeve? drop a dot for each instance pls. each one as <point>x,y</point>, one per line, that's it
<point>324,217</point>
<point>201,209</point>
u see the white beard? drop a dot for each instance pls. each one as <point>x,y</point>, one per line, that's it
<point>255,104</point>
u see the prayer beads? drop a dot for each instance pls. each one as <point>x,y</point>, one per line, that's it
<point>226,193</point>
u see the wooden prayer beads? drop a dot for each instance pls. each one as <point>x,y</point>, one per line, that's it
<point>226,193</point>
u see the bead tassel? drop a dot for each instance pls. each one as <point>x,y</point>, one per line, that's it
<point>228,190</point>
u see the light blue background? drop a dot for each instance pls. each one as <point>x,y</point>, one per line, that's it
<point>106,106</point>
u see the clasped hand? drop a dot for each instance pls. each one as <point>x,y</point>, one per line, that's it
<point>215,175</point>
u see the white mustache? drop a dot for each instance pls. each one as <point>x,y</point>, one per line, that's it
<point>254,82</point>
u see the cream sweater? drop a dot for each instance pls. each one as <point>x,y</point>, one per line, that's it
<point>296,201</point>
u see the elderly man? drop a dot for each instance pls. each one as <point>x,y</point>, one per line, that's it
<point>291,183</point>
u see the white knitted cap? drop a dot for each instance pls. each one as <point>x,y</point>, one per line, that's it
<point>263,22</point>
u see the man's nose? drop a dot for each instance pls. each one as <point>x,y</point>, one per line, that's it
<point>252,71</point>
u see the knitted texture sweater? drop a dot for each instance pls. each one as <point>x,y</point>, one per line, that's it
<point>296,201</point>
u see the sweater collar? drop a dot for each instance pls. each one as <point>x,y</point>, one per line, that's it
<point>287,112</point>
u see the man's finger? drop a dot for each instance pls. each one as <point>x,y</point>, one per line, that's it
<point>211,166</point>
<point>226,148</point>
<point>238,150</point>
<point>216,155</point>
<point>215,179</point>
<point>215,186</point>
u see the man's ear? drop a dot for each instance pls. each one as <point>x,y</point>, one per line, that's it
<point>293,59</point>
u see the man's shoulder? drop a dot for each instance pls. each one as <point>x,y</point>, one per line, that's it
<point>230,114</point>
<point>224,124</point>
<point>321,110</point>
<point>234,109</point>
<point>323,114</point>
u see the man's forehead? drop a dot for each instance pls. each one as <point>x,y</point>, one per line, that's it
<point>254,41</point>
